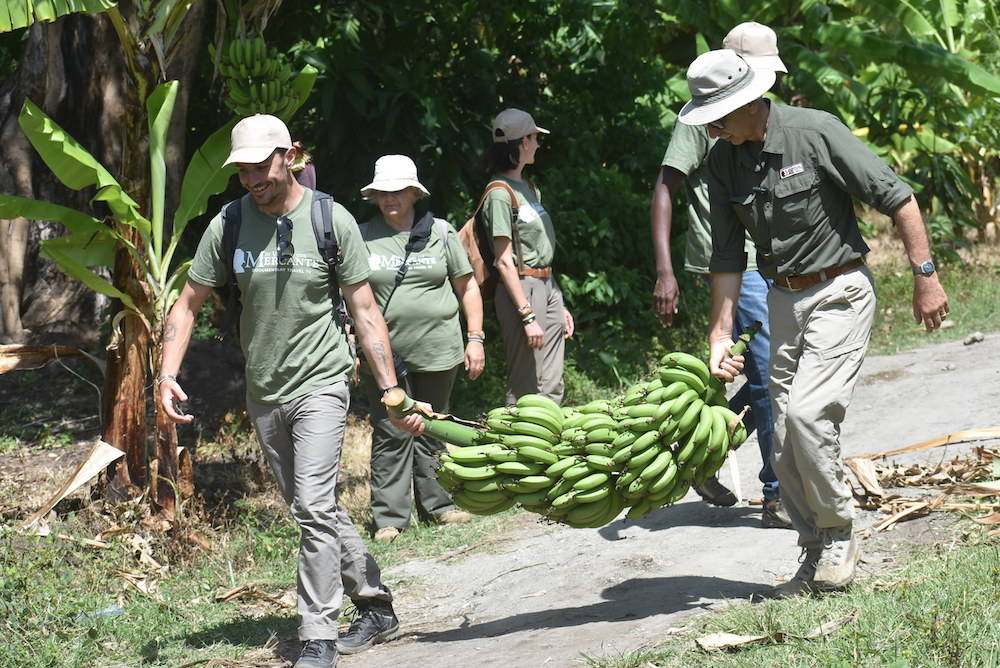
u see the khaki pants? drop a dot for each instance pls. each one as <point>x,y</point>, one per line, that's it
<point>400,460</point>
<point>531,371</point>
<point>302,440</point>
<point>818,341</point>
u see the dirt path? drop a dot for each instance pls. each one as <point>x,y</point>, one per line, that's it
<point>547,594</point>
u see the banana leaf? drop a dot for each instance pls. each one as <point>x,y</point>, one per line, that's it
<point>15,14</point>
<point>88,250</point>
<point>302,86</point>
<point>205,176</point>
<point>79,271</point>
<point>922,59</point>
<point>76,168</point>
<point>177,282</point>
<point>160,108</point>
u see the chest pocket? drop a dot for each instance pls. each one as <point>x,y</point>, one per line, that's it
<point>792,197</point>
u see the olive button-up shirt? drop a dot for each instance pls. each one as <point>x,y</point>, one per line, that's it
<point>793,194</point>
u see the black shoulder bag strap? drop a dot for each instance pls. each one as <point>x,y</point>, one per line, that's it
<point>419,234</point>
<point>232,218</point>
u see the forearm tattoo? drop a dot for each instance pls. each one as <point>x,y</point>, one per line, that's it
<point>381,358</point>
<point>169,332</point>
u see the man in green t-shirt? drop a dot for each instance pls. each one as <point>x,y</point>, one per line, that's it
<point>788,176</point>
<point>684,164</point>
<point>297,368</point>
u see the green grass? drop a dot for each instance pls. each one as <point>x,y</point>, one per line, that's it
<point>973,295</point>
<point>941,609</point>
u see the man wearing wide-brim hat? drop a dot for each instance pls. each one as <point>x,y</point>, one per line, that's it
<point>684,166</point>
<point>789,176</point>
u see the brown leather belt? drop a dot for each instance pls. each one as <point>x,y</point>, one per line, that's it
<point>542,272</point>
<point>808,280</point>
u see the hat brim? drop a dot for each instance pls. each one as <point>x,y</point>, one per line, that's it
<point>772,63</point>
<point>542,130</point>
<point>251,155</point>
<point>391,186</point>
<point>700,113</point>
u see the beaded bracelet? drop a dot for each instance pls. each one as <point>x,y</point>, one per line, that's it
<point>525,310</point>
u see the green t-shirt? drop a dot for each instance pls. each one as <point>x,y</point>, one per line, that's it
<point>288,330</point>
<point>538,237</point>
<point>687,153</point>
<point>424,327</point>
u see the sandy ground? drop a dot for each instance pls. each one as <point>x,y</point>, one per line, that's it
<point>546,594</point>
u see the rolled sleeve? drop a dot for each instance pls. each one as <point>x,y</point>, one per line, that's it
<point>728,233</point>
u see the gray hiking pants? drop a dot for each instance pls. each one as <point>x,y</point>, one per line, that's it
<point>531,371</point>
<point>819,336</point>
<point>302,440</point>
<point>401,461</point>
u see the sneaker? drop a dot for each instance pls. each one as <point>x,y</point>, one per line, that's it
<point>774,516</point>
<point>317,654</point>
<point>453,516</point>
<point>837,562</point>
<point>714,492</point>
<point>803,580</point>
<point>386,535</point>
<point>376,624</point>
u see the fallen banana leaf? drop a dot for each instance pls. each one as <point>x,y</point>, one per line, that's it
<point>948,439</point>
<point>884,524</point>
<point>864,471</point>
<point>993,518</point>
<point>24,358</point>
<point>722,640</point>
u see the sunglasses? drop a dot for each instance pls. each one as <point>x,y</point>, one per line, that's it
<point>718,125</point>
<point>285,248</point>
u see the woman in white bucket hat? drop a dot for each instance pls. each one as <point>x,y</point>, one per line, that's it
<point>534,322</point>
<point>419,274</point>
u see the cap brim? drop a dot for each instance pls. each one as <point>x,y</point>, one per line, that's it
<point>772,63</point>
<point>250,155</point>
<point>542,130</point>
<point>697,113</point>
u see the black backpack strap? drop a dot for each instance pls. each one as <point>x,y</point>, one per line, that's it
<point>232,218</point>
<point>326,242</point>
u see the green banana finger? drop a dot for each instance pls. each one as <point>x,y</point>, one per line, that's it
<point>591,481</point>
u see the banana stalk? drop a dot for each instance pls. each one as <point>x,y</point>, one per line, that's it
<point>437,425</point>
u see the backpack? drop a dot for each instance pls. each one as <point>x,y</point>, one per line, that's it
<point>478,242</point>
<point>321,214</point>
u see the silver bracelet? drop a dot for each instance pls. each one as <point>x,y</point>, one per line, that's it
<point>163,378</point>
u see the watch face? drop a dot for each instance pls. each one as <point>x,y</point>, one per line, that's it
<point>925,269</point>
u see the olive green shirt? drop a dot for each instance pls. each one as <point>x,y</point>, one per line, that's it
<point>424,327</point>
<point>291,339</point>
<point>793,194</point>
<point>534,226</point>
<point>687,153</point>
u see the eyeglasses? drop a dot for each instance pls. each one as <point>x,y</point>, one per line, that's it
<point>285,248</point>
<point>719,124</point>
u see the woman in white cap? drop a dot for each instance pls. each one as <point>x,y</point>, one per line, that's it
<point>533,319</point>
<point>419,274</point>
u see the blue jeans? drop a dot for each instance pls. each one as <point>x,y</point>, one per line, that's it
<point>752,305</point>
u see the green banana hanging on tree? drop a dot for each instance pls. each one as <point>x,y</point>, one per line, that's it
<point>583,465</point>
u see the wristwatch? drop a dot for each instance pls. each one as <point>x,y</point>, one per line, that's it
<point>925,269</point>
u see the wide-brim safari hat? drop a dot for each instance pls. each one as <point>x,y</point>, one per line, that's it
<point>721,82</point>
<point>392,174</point>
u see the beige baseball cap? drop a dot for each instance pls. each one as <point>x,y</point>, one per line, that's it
<point>255,137</point>
<point>757,44</point>
<point>721,82</point>
<point>511,124</point>
<point>392,174</point>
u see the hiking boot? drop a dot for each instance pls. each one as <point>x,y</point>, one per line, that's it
<point>837,562</point>
<point>803,581</point>
<point>317,654</point>
<point>376,624</point>
<point>453,516</point>
<point>715,493</point>
<point>774,516</point>
<point>386,535</point>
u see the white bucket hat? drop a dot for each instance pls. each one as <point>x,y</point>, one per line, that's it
<point>721,82</point>
<point>757,44</point>
<point>256,137</point>
<point>393,173</point>
<point>511,124</point>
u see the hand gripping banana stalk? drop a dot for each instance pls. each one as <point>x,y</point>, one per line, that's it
<point>583,465</point>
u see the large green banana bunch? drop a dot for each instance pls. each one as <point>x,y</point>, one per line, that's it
<point>258,78</point>
<point>583,465</point>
